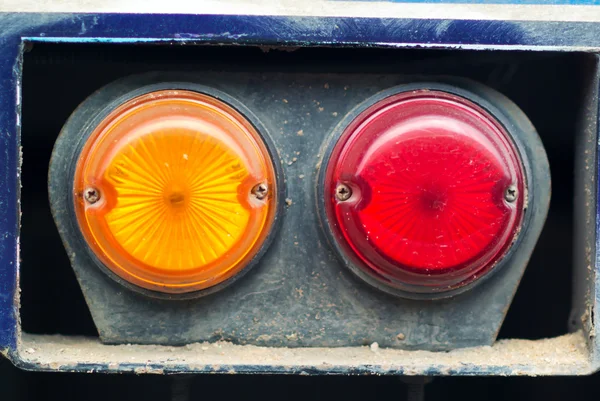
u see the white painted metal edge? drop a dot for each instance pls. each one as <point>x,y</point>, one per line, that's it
<point>323,8</point>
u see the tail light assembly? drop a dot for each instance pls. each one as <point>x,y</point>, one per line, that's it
<point>170,191</point>
<point>425,192</point>
<point>271,218</point>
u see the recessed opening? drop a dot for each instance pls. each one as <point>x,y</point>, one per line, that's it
<point>57,77</point>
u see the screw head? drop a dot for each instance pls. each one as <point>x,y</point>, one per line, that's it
<point>91,195</point>
<point>511,193</point>
<point>260,191</point>
<point>343,192</point>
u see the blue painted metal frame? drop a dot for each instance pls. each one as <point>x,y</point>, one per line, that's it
<point>16,29</point>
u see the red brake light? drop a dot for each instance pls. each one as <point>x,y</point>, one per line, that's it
<point>425,191</point>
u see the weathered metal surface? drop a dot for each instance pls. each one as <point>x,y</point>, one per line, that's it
<point>270,31</point>
<point>9,195</point>
<point>525,10</point>
<point>565,355</point>
<point>293,31</point>
<point>585,220</point>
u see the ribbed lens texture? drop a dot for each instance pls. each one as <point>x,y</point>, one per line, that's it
<point>430,212</point>
<point>177,201</point>
<point>429,175</point>
<point>175,172</point>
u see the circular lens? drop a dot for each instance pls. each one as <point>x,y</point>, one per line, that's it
<point>173,191</point>
<point>424,191</point>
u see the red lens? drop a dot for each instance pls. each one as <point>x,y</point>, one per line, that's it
<point>425,191</point>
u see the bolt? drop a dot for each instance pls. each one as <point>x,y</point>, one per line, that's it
<point>343,192</point>
<point>260,191</point>
<point>511,193</point>
<point>91,195</point>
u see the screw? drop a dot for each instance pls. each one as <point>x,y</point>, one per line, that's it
<point>260,191</point>
<point>343,192</point>
<point>91,195</point>
<point>511,193</point>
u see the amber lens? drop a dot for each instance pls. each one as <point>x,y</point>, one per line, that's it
<point>174,191</point>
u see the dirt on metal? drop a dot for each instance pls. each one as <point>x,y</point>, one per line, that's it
<point>562,355</point>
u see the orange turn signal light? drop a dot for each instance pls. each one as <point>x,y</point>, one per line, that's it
<point>174,191</point>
